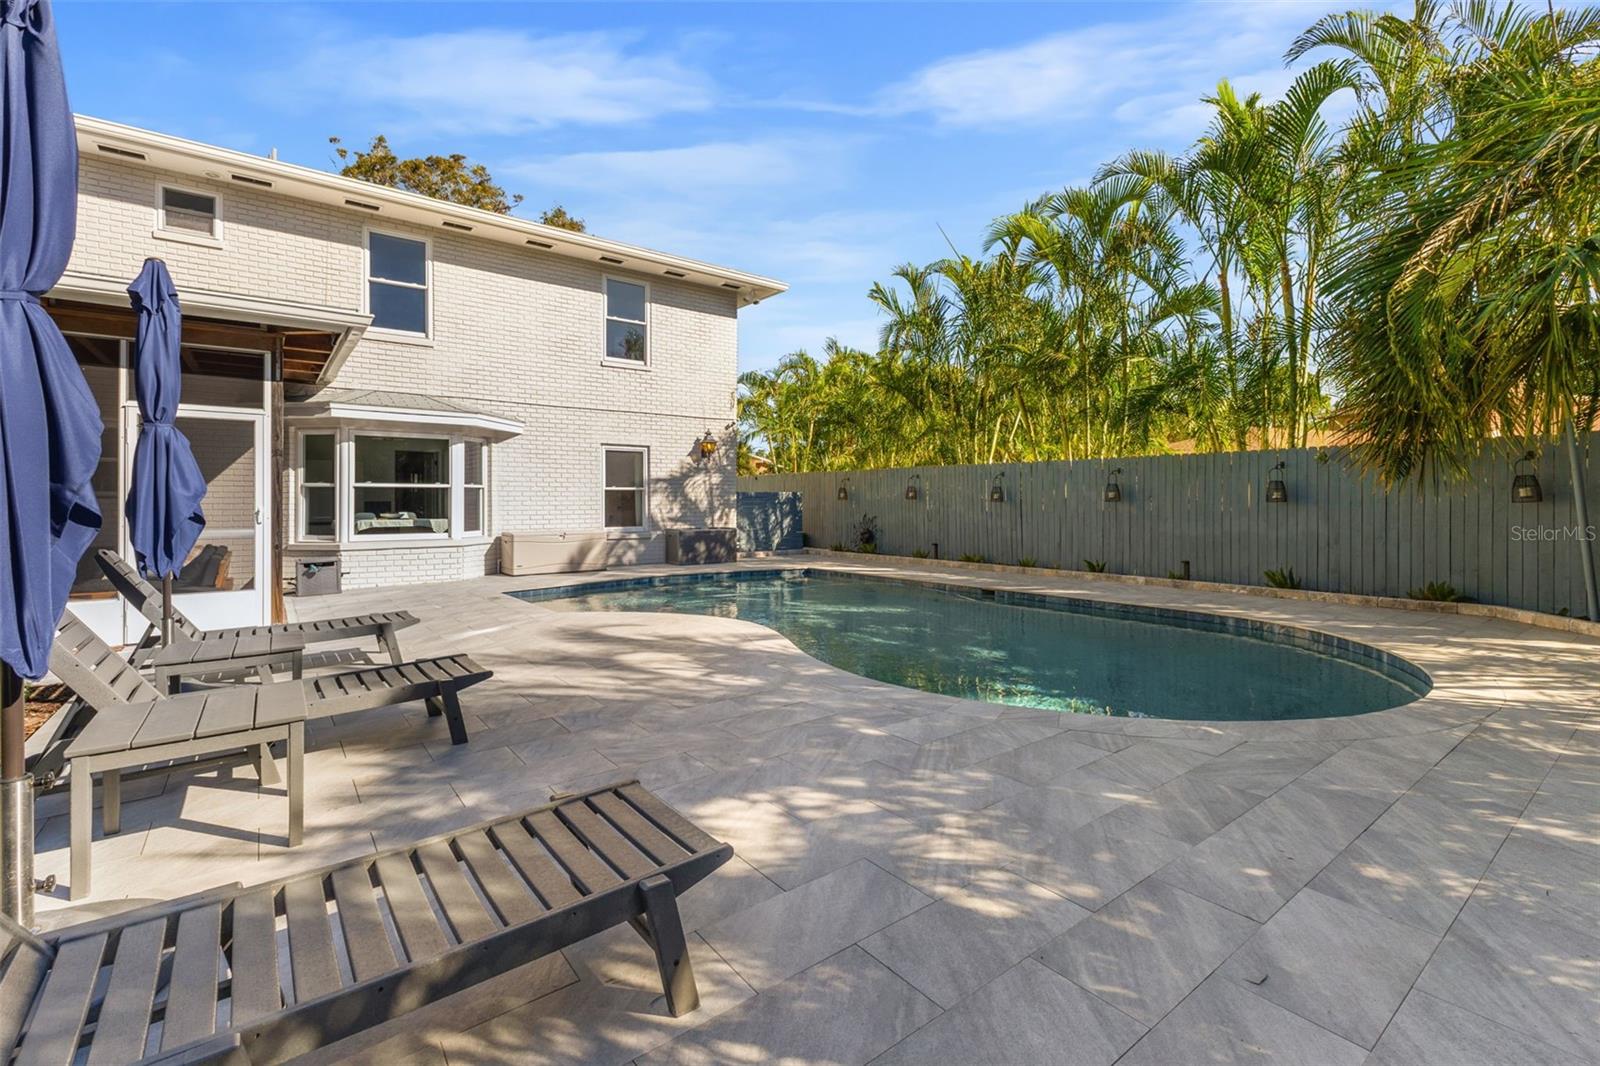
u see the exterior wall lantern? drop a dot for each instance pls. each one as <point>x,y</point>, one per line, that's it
<point>1525,487</point>
<point>1113,493</point>
<point>1277,491</point>
<point>997,488</point>
<point>707,445</point>
<point>844,489</point>
<point>913,489</point>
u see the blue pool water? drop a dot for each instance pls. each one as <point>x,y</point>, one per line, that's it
<point>1067,655</point>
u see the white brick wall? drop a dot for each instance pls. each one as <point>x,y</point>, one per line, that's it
<point>515,332</point>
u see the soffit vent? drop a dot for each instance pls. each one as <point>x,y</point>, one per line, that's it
<point>123,152</point>
<point>361,204</point>
<point>457,225</point>
<point>610,259</point>
<point>674,273</point>
<point>539,244</point>
<point>245,179</point>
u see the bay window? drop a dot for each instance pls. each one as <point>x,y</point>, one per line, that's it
<point>361,486</point>
<point>317,486</point>
<point>402,485</point>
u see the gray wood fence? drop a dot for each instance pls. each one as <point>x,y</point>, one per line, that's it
<point>1340,530</point>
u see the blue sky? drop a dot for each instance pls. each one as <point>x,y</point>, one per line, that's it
<point>822,144</point>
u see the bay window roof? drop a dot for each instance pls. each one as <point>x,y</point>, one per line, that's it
<point>400,408</point>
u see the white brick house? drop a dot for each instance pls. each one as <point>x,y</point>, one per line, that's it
<point>391,381</point>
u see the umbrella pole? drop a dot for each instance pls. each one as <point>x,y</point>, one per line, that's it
<point>16,805</point>
<point>166,609</point>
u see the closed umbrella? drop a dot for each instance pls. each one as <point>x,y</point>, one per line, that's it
<point>164,518</point>
<point>49,422</point>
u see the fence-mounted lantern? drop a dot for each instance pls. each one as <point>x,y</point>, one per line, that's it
<point>997,488</point>
<point>844,489</point>
<point>707,445</point>
<point>913,489</point>
<point>1277,491</point>
<point>1113,493</point>
<point>1525,487</point>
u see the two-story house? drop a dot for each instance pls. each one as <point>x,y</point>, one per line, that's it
<point>388,381</point>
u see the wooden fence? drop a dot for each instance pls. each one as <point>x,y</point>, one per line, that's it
<point>1339,530</point>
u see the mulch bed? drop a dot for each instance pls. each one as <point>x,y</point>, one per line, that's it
<point>42,702</point>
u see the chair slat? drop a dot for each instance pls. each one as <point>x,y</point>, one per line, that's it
<point>312,961</point>
<point>228,710</point>
<point>413,917</point>
<point>548,879</point>
<point>588,872</point>
<point>124,1022</point>
<point>605,840</point>
<point>668,819</point>
<point>462,908</point>
<point>645,836</point>
<point>24,969</point>
<point>365,939</point>
<point>253,957</point>
<point>505,890</point>
<point>172,720</point>
<point>192,991</point>
<point>52,1036</point>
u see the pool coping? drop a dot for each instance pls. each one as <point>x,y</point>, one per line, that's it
<point>1472,666</point>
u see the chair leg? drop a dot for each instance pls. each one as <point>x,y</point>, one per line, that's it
<point>111,802</point>
<point>672,952</point>
<point>387,637</point>
<point>266,766</point>
<point>297,782</point>
<point>81,810</point>
<point>452,714</point>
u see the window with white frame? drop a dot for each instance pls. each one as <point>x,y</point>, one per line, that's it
<point>625,488</point>
<point>318,486</point>
<point>193,214</point>
<point>627,322</point>
<point>473,480</point>
<point>401,486</point>
<point>397,283</point>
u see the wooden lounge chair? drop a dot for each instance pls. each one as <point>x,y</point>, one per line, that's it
<point>146,599</point>
<point>366,941</point>
<point>119,720</point>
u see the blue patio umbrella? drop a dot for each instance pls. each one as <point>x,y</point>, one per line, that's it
<point>164,518</point>
<point>49,422</point>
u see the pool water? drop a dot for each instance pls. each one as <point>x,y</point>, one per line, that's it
<point>1067,655</point>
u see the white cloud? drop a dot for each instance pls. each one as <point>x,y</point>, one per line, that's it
<point>501,82</point>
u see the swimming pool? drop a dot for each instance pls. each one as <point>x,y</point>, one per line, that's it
<point>1071,655</point>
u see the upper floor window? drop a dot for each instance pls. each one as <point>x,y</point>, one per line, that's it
<point>627,325</point>
<point>190,214</point>
<point>397,283</point>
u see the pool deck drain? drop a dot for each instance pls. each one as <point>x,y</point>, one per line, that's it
<point>926,879</point>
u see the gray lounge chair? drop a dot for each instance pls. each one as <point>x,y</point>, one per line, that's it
<point>147,600</point>
<point>129,723</point>
<point>461,908</point>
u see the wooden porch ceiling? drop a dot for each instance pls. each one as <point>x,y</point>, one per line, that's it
<point>299,354</point>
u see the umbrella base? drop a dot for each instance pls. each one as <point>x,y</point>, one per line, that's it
<point>16,849</point>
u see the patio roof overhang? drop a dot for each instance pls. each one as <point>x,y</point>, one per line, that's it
<point>381,406</point>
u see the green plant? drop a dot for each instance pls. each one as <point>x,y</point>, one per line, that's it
<point>1027,562</point>
<point>867,533</point>
<point>919,553</point>
<point>972,557</point>
<point>1282,579</point>
<point>837,546</point>
<point>1176,575</point>
<point>1437,592</point>
<point>868,548</point>
<point>1095,566</point>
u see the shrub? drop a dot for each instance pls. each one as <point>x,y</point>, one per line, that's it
<point>1027,562</point>
<point>972,557</point>
<point>1282,579</point>
<point>919,553</point>
<point>868,548</point>
<point>1095,566</point>
<point>838,546</point>
<point>1177,575</point>
<point>867,532</point>
<point>1437,592</point>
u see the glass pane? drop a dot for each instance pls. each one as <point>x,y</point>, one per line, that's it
<point>187,211</point>
<point>623,507</point>
<point>319,458</point>
<point>473,464</point>
<point>318,503</point>
<point>624,300</point>
<point>224,559</point>
<point>624,340</point>
<point>383,511</point>
<point>472,507</point>
<point>624,469</point>
<point>220,378</point>
<point>407,460</point>
<point>398,259</point>
<point>394,307</point>
<point>98,358</point>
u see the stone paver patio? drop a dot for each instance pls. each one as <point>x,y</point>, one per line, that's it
<point>921,879</point>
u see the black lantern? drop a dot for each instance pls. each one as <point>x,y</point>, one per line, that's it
<point>997,490</point>
<point>1277,491</point>
<point>1113,492</point>
<point>844,489</point>
<point>1525,487</point>
<point>707,445</point>
<point>911,486</point>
